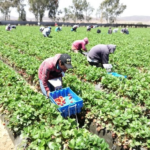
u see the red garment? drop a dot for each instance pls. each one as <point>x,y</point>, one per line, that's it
<point>79,44</point>
<point>48,70</point>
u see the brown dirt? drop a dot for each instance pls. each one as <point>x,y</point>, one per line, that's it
<point>5,140</point>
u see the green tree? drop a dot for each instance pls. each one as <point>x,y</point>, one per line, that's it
<point>76,10</point>
<point>38,7</point>
<point>22,12</point>
<point>5,8</point>
<point>111,9</point>
<point>20,8</point>
<point>66,15</point>
<point>99,14</point>
<point>52,8</point>
<point>88,9</point>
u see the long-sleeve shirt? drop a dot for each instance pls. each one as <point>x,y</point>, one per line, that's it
<point>48,70</point>
<point>101,53</point>
<point>57,29</point>
<point>88,27</point>
<point>46,32</point>
<point>79,44</point>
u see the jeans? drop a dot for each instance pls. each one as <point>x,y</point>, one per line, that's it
<point>51,88</point>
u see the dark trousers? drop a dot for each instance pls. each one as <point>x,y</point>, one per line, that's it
<point>95,64</point>
<point>74,29</point>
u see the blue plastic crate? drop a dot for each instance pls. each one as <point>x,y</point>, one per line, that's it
<point>67,109</point>
<point>117,75</point>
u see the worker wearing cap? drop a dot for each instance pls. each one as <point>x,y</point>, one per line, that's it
<point>8,27</point>
<point>46,32</point>
<point>53,67</point>
<point>79,45</point>
<point>42,28</point>
<point>99,54</point>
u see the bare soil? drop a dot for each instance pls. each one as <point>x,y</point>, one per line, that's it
<point>5,140</point>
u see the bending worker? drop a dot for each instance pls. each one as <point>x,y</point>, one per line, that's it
<point>98,31</point>
<point>74,28</point>
<point>46,32</point>
<point>110,31</point>
<point>99,54</point>
<point>88,28</point>
<point>115,30</point>
<point>126,31</point>
<point>51,68</point>
<point>58,29</point>
<point>80,44</point>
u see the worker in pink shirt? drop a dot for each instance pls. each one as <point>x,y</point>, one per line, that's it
<point>80,44</point>
<point>52,68</point>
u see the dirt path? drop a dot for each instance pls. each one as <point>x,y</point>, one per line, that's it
<point>5,141</point>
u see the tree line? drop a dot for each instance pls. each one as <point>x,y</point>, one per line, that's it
<point>79,10</point>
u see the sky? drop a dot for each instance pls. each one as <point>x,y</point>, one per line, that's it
<point>134,7</point>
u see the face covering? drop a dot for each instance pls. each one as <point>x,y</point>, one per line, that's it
<point>58,67</point>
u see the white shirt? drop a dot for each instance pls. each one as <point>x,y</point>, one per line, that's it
<point>46,32</point>
<point>115,30</point>
<point>88,27</point>
<point>6,28</point>
<point>75,26</point>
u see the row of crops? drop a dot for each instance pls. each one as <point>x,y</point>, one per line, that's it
<point>122,106</point>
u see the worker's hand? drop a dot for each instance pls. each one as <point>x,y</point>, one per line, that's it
<point>48,92</point>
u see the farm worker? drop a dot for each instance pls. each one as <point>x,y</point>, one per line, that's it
<point>8,27</point>
<point>80,44</point>
<point>74,28</point>
<point>51,68</point>
<point>122,30</point>
<point>46,32</point>
<point>98,31</point>
<point>95,26</point>
<point>115,30</point>
<point>110,31</point>
<point>99,54</point>
<point>126,31</point>
<point>42,28</point>
<point>88,28</point>
<point>58,29</point>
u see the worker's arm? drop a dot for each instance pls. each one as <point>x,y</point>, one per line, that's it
<point>83,47</point>
<point>45,77</point>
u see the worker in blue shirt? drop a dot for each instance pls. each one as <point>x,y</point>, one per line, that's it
<point>57,29</point>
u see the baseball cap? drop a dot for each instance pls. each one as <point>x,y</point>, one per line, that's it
<point>66,59</point>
